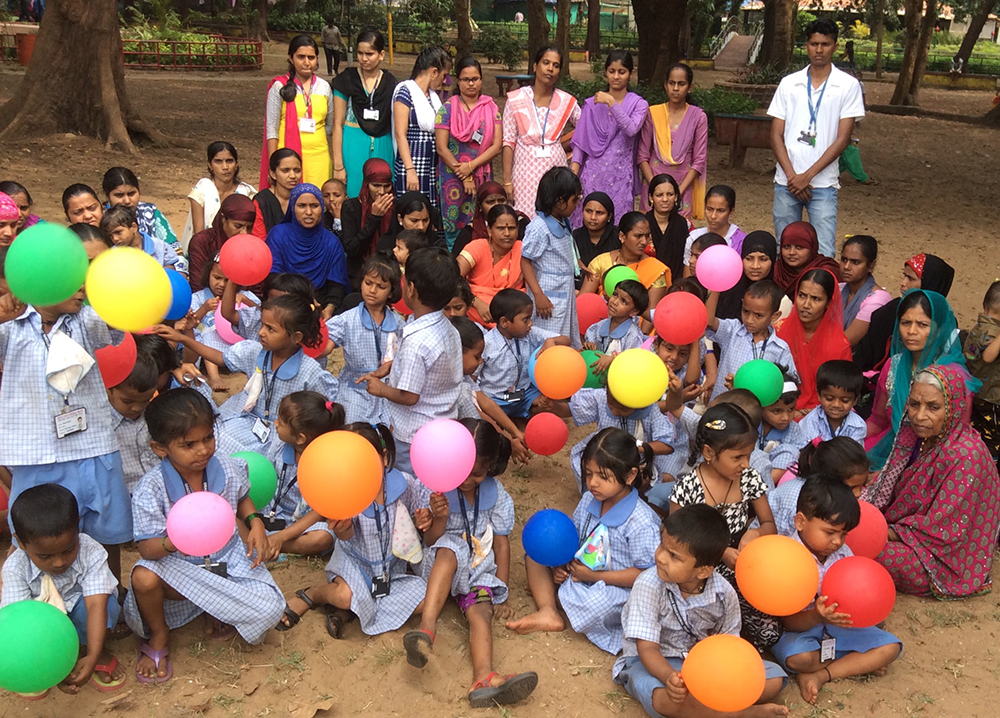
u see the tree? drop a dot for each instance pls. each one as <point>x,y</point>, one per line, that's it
<point>538,29</point>
<point>258,20</point>
<point>463,22</point>
<point>76,80</point>
<point>779,33</point>
<point>976,24</point>
<point>563,12</point>
<point>594,27</point>
<point>659,25</point>
<point>918,26</point>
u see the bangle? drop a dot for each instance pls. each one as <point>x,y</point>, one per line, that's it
<point>163,542</point>
<point>508,184</point>
<point>337,169</point>
<point>410,169</point>
<point>249,519</point>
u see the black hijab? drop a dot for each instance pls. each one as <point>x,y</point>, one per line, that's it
<point>609,240</point>
<point>731,301</point>
<point>669,245</point>
<point>348,83</point>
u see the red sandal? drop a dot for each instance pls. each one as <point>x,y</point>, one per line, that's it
<point>111,685</point>
<point>514,688</point>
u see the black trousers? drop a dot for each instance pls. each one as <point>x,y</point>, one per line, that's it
<point>332,58</point>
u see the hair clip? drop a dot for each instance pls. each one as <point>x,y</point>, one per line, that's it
<point>378,433</point>
<point>816,441</point>
<point>329,406</point>
<point>639,444</point>
<point>717,425</point>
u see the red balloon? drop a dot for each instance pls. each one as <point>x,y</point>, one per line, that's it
<point>324,337</point>
<point>680,318</point>
<point>401,306</point>
<point>860,587</point>
<point>871,534</point>
<point>590,309</point>
<point>245,259</point>
<point>116,362</point>
<point>546,434</point>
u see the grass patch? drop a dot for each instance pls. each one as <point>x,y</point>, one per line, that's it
<point>386,656</point>
<point>295,660</point>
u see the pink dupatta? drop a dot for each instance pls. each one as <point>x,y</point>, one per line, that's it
<point>521,103</point>
<point>465,123</point>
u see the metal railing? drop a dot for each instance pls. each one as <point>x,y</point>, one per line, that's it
<point>758,40</point>
<point>727,33</point>
<point>219,53</point>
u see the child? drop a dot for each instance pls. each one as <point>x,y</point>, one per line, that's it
<point>245,320</point>
<point>369,334</point>
<point>120,226</point>
<point>549,255</point>
<point>334,193</point>
<point>423,380</point>
<point>839,384</point>
<point>469,558</point>
<point>827,511</point>
<point>981,348</point>
<point>232,591</point>
<point>292,527</point>
<point>509,346</point>
<point>684,362</point>
<point>725,439</point>
<point>620,331</point>
<point>461,302</point>
<point>780,435</point>
<point>128,402</point>
<point>55,563</point>
<point>408,241</point>
<point>720,201</point>
<point>617,534</point>
<point>367,574</point>
<point>121,186</point>
<point>749,338</point>
<point>691,373</point>
<point>710,239</point>
<point>673,606</point>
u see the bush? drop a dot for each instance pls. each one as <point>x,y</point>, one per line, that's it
<point>301,21</point>
<point>187,48</point>
<point>499,46</point>
<point>946,39</point>
<point>802,21</point>
<point>759,75</point>
<point>859,31</point>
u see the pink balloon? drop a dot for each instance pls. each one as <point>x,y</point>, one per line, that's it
<point>224,328</point>
<point>719,268</point>
<point>785,477</point>
<point>442,454</point>
<point>200,523</point>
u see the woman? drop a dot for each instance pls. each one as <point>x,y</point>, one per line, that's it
<point>492,264</point>
<point>669,227</point>
<point>365,218</point>
<point>362,113</point>
<point>488,196</point>
<point>284,173</point>
<point>301,245</point>
<point>604,141</point>
<point>814,332</point>
<point>121,186</point>
<point>799,254</point>
<point>862,295</point>
<point>599,234</point>
<point>299,114</point>
<point>468,134</point>
<point>940,493</point>
<point>17,192</point>
<point>926,333</point>
<point>674,139</point>
<point>411,210</point>
<point>235,217</point>
<point>205,198</point>
<point>759,252</point>
<point>81,205</point>
<point>633,231</point>
<point>414,107</point>
<point>533,122</point>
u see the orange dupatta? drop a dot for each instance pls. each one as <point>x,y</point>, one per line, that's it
<point>661,127</point>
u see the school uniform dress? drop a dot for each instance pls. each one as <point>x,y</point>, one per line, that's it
<point>626,335</point>
<point>633,531</point>
<point>164,254</point>
<point>504,373</point>
<point>367,346</point>
<point>783,447</point>
<point>549,244</point>
<point>249,324</point>
<point>370,554</point>
<point>815,424</point>
<point>738,348</point>
<point>138,458</point>
<point>85,462</point>
<point>784,502</point>
<point>288,503</point>
<point>248,599</point>
<point>490,514</point>
<point>468,402</point>
<point>205,332</point>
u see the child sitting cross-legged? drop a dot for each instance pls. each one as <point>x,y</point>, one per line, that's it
<point>620,331</point>
<point>827,510</point>
<point>675,604</point>
<point>839,384</point>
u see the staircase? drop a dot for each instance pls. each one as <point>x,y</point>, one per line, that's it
<point>735,54</point>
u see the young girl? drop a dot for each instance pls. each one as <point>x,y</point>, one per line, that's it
<point>206,196</point>
<point>369,334</point>
<point>414,108</point>
<point>367,574</point>
<point>22,198</point>
<point>618,536</point>
<point>598,232</point>
<point>121,186</point>
<point>668,227</point>
<point>245,319</point>
<point>81,205</point>
<point>170,589</point>
<point>284,174</point>
<point>548,255</point>
<point>720,201</point>
<point>724,480</point>
<point>334,193</point>
<point>861,294</point>
<point>798,253</point>
<point>411,211</point>
<point>469,558</point>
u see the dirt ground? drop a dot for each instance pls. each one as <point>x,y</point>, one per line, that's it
<point>934,196</point>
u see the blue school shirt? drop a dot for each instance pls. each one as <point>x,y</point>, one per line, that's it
<point>164,254</point>
<point>783,447</point>
<point>626,335</point>
<point>738,347</point>
<point>505,361</point>
<point>815,424</point>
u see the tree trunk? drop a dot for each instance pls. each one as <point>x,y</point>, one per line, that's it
<point>976,24</point>
<point>463,22</point>
<point>659,24</point>
<point>923,48</point>
<point>538,30</point>
<point>879,32</point>
<point>290,6</point>
<point>594,28</point>
<point>76,81</point>
<point>258,30</point>
<point>779,33</point>
<point>684,41</point>
<point>912,27</point>
<point>563,14</point>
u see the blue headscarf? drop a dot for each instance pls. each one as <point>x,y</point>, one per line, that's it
<point>315,252</point>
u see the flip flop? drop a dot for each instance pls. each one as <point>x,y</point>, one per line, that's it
<point>413,642</point>
<point>514,688</point>
<point>335,620</point>
<point>156,657</point>
<point>37,696</point>
<point>113,684</point>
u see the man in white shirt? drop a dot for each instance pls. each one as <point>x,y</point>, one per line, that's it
<point>814,112</point>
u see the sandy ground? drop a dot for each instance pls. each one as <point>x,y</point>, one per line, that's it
<point>936,195</point>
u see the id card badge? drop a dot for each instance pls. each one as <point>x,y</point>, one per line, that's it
<point>307,124</point>
<point>71,422</point>
<point>219,568</point>
<point>380,586</point>
<point>807,138</point>
<point>827,648</point>
<point>370,113</point>
<point>273,524</point>
<point>261,430</point>
<point>513,396</point>
<point>543,151</point>
<point>477,136</point>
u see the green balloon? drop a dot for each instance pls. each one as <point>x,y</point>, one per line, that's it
<point>615,275</point>
<point>45,265</point>
<point>263,477</point>
<point>594,381</point>
<point>761,377</point>
<point>40,646</point>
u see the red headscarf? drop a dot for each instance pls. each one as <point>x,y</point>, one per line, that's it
<point>374,170</point>
<point>479,229</point>
<point>828,342</point>
<point>801,234</point>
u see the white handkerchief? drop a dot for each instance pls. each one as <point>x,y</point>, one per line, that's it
<point>67,363</point>
<point>50,594</point>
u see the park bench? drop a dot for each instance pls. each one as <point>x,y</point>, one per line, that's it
<point>505,82</point>
<point>742,132</point>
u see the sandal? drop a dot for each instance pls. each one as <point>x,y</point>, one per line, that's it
<point>293,617</point>
<point>413,642</point>
<point>156,657</point>
<point>335,620</point>
<point>226,630</point>
<point>513,689</point>
<point>111,685</point>
<point>36,696</point>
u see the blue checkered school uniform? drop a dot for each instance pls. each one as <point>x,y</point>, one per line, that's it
<point>423,150</point>
<point>783,447</point>
<point>548,244</point>
<point>297,373</point>
<point>816,424</point>
<point>248,599</point>
<point>164,254</point>
<point>784,501</point>
<point>138,458</point>
<point>205,332</point>
<point>367,346</point>
<point>250,322</point>
<point>626,335</point>
<point>505,369</point>
<point>492,508</point>
<point>288,503</point>
<point>595,609</point>
<point>738,347</point>
<point>85,462</point>
<point>468,402</point>
<point>368,555</point>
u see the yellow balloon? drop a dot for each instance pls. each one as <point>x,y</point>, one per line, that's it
<point>128,289</point>
<point>637,378</point>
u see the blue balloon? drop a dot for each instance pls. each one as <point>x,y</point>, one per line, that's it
<point>181,303</point>
<point>531,366</point>
<point>549,537</point>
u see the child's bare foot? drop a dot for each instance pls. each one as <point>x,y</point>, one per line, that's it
<point>547,620</point>
<point>768,710</point>
<point>214,628</point>
<point>217,383</point>
<point>811,683</point>
<point>880,671</point>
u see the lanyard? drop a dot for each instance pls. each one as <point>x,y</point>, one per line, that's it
<point>377,332</point>
<point>814,110</point>
<point>763,347</point>
<point>680,617</point>
<point>384,541</point>
<point>623,423</point>
<point>268,388</point>
<point>465,517</point>
<point>371,95</point>
<point>515,352</point>
<point>547,111</point>
<point>187,489</point>
<point>307,95</point>
<point>280,495</point>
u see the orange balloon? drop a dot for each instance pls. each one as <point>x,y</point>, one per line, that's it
<point>724,673</point>
<point>777,575</point>
<point>560,372</point>
<point>340,474</point>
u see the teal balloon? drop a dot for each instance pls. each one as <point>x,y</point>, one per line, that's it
<point>45,265</point>
<point>594,381</point>
<point>40,646</point>
<point>616,275</point>
<point>263,478</point>
<point>761,377</point>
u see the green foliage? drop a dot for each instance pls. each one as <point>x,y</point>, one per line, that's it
<point>610,39</point>
<point>304,21</point>
<point>499,46</point>
<point>858,31</point>
<point>424,20</point>
<point>760,75</point>
<point>140,43</point>
<point>367,15</point>
<point>802,21</point>
<point>946,39</point>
